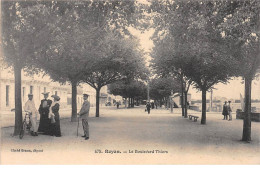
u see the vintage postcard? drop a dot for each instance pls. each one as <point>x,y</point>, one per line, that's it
<point>130,82</point>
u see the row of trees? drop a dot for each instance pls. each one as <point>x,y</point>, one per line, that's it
<point>133,90</point>
<point>72,42</point>
<point>208,42</point>
<point>159,89</point>
<point>197,43</point>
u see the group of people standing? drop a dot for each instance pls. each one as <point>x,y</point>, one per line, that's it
<point>50,117</point>
<point>227,111</point>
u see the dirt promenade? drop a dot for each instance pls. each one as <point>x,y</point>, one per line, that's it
<point>131,136</point>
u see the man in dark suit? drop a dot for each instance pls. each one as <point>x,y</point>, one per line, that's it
<point>84,114</point>
<point>148,107</point>
<point>44,110</point>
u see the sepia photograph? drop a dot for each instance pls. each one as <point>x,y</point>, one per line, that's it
<point>130,82</point>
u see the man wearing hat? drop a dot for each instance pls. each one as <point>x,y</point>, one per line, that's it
<point>44,110</point>
<point>83,114</point>
<point>225,111</point>
<point>30,107</point>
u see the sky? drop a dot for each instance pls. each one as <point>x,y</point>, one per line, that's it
<point>231,90</point>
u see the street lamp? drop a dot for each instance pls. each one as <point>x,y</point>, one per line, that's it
<point>148,91</point>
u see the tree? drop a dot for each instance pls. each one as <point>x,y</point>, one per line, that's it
<point>69,52</point>
<point>210,61</point>
<point>241,32</point>
<point>169,60</point>
<point>118,58</point>
<point>198,43</point>
<point>162,88</point>
<point>170,22</point>
<point>77,47</point>
<point>22,35</point>
<point>132,89</point>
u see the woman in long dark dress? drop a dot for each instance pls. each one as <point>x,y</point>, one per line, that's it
<point>55,117</point>
<point>44,109</point>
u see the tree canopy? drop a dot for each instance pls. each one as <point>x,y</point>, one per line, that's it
<point>192,44</point>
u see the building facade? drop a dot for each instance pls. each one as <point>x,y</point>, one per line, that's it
<point>38,84</point>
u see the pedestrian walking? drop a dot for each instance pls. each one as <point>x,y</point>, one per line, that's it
<point>229,111</point>
<point>117,105</point>
<point>148,107</point>
<point>55,117</point>
<point>225,111</point>
<point>156,104</point>
<point>44,109</point>
<point>30,107</point>
<point>152,105</point>
<point>84,114</point>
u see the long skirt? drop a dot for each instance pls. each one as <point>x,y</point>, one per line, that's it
<point>44,125</point>
<point>55,127</point>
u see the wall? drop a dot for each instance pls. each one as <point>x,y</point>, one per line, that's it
<point>38,82</point>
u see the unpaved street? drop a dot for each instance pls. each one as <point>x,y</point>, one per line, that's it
<point>131,136</point>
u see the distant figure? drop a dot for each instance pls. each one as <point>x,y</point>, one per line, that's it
<point>55,117</point>
<point>156,104</point>
<point>148,107</point>
<point>30,107</point>
<point>117,105</point>
<point>225,111</point>
<point>84,114</point>
<point>229,111</point>
<point>188,105</point>
<point>152,104</point>
<point>44,110</point>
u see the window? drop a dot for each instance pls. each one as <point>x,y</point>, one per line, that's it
<point>7,95</point>
<point>31,89</point>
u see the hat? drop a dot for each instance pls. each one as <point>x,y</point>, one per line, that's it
<point>30,94</point>
<point>85,95</point>
<point>47,93</point>
<point>56,97</point>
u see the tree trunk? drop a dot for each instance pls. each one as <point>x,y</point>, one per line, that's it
<point>18,100</point>
<point>133,102</point>
<point>185,104</point>
<point>148,92</point>
<point>166,103</point>
<point>247,118</point>
<point>97,101</point>
<point>125,102</point>
<point>204,103</point>
<point>182,99</point>
<point>171,104</point>
<point>129,101</point>
<point>74,101</point>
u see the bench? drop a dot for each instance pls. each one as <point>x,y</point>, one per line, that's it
<point>192,116</point>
